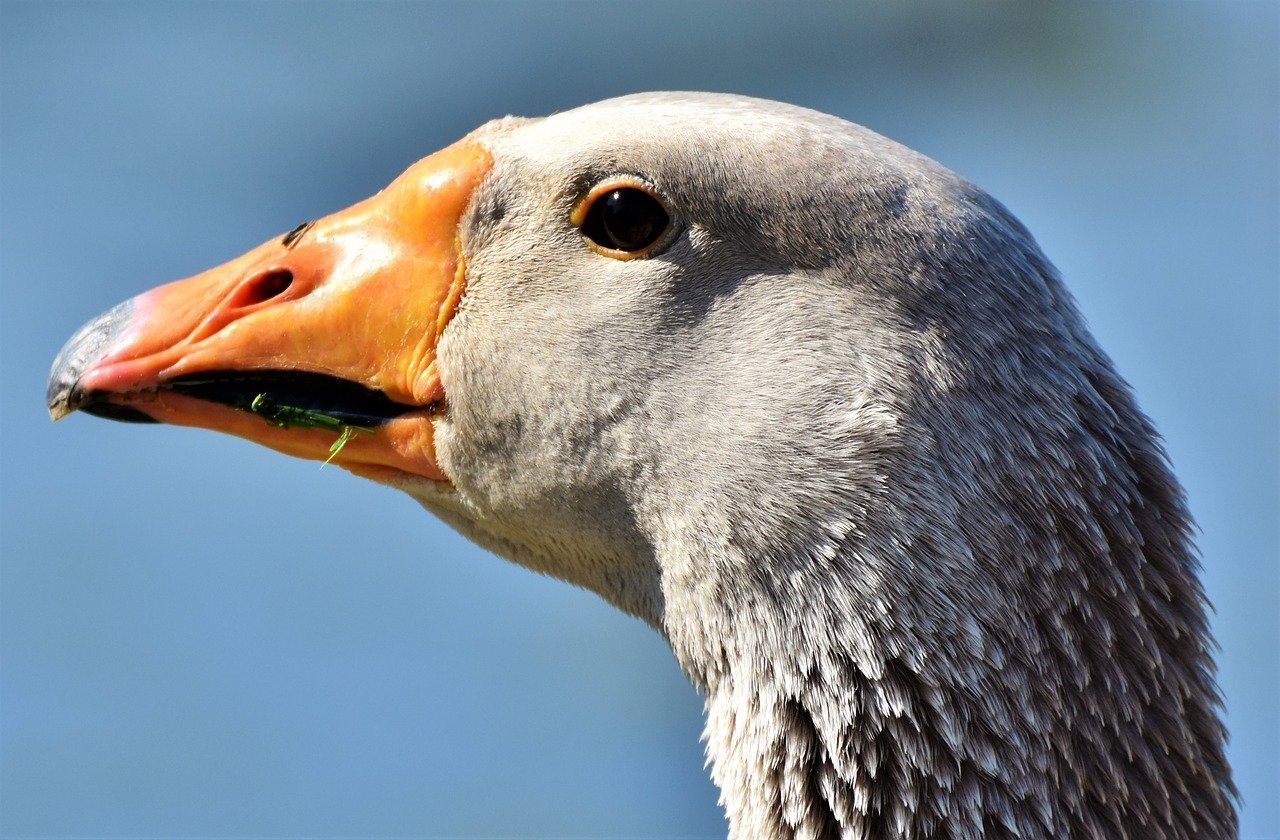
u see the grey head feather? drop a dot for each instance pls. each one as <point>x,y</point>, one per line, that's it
<point>846,442</point>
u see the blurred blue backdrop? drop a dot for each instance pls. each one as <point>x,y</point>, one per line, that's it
<point>201,637</point>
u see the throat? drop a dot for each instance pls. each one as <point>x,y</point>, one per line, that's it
<point>842,744</point>
<point>842,703</point>
<point>846,700</point>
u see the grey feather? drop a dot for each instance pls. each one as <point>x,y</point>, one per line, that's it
<point>847,443</point>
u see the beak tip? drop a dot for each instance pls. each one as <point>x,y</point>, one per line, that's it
<point>58,410</point>
<point>62,396</point>
<point>61,400</point>
<point>90,343</point>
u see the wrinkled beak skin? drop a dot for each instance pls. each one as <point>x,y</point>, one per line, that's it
<point>361,296</point>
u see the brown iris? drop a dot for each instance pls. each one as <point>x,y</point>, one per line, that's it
<point>623,220</point>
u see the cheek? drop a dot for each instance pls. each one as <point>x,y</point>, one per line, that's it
<point>547,356</point>
<point>519,435</point>
<point>481,441</point>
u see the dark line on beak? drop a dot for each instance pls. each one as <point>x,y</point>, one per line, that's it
<point>291,238</point>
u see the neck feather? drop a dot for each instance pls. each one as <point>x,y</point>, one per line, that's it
<point>1030,661</point>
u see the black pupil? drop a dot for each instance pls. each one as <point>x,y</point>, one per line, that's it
<point>626,219</point>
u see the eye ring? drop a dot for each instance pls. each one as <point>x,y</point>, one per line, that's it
<point>623,218</point>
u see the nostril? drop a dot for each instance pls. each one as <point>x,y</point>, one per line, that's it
<point>265,286</point>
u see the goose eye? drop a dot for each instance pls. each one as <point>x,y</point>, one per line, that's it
<point>626,219</point>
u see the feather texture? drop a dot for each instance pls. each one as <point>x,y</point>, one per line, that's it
<point>847,443</point>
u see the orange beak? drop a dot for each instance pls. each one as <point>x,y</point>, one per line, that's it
<point>328,333</point>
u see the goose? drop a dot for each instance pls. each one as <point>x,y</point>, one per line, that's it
<point>812,406</point>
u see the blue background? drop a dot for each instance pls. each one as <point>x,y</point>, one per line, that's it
<point>201,637</point>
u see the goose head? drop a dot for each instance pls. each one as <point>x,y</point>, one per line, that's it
<point>812,406</point>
